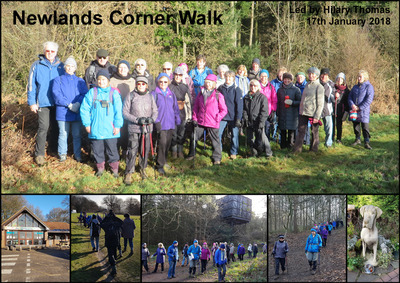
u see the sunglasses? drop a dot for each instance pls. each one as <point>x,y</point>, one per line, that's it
<point>167,69</point>
<point>252,85</point>
<point>50,51</point>
<point>141,83</point>
<point>163,82</point>
<point>140,65</point>
<point>102,57</point>
<point>179,75</point>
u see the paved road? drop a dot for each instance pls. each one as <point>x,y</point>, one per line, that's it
<point>48,265</point>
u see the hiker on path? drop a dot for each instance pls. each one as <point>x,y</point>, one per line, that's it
<point>194,253</point>
<point>173,257</point>
<point>324,235</point>
<point>232,252</point>
<point>112,225</point>
<point>185,255</point>
<point>160,253</point>
<point>128,232</point>
<point>255,250</point>
<point>220,260</point>
<point>145,256</point>
<point>241,252</point>
<point>279,253</point>
<point>313,246</point>
<point>213,251</point>
<point>250,250</point>
<point>95,233</point>
<point>204,257</point>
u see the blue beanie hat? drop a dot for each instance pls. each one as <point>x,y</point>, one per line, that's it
<point>162,75</point>
<point>104,73</point>
<point>124,62</point>
<point>222,246</point>
<point>195,241</point>
<point>264,71</point>
<point>175,242</point>
<point>312,229</point>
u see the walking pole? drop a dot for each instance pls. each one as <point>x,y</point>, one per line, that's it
<point>287,269</point>
<point>154,157</point>
<point>143,137</point>
<point>204,139</point>
<point>152,149</point>
<point>194,145</point>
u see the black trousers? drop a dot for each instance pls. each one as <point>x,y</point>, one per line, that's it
<point>135,145</point>
<point>214,136</point>
<point>365,130</point>
<point>110,146</point>
<point>324,242</point>
<point>280,261</point>
<point>162,267</point>
<point>123,140</point>
<point>203,265</point>
<point>178,137</point>
<point>47,126</point>
<point>112,255</point>
<point>287,138</point>
<point>164,142</point>
<point>144,263</point>
<point>258,141</point>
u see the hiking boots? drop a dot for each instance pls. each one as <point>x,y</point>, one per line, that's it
<point>143,174</point>
<point>161,171</point>
<point>99,173</point>
<point>233,156</point>
<point>39,160</point>
<point>63,157</point>
<point>180,155</point>
<point>357,142</point>
<point>367,146</point>
<point>128,179</point>
<point>174,155</point>
<point>114,168</point>
<point>313,272</point>
<point>217,162</point>
<point>100,169</point>
<point>190,157</point>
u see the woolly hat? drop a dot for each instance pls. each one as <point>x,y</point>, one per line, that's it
<point>184,64</point>
<point>70,61</point>
<point>102,53</point>
<point>124,62</point>
<point>211,77</point>
<point>341,75</point>
<point>175,242</point>
<point>142,79</point>
<point>264,71</point>
<point>222,246</point>
<point>314,70</point>
<point>195,241</point>
<point>162,75</point>
<point>312,229</point>
<point>106,74</point>
<point>325,71</point>
<point>205,243</point>
<point>179,71</point>
<point>288,76</point>
<point>256,60</point>
<point>300,74</point>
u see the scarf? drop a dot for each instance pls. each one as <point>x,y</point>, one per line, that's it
<point>222,256</point>
<point>242,84</point>
<point>118,76</point>
<point>340,87</point>
<point>140,92</point>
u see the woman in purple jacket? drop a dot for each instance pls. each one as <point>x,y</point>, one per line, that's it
<point>204,257</point>
<point>168,118</point>
<point>208,111</point>
<point>68,93</point>
<point>360,99</point>
<point>160,257</point>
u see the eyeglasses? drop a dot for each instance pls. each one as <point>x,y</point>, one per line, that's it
<point>163,82</point>
<point>102,57</point>
<point>179,75</point>
<point>167,69</point>
<point>141,83</point>
<point>50,51</point>
<point>253,85</point>
<point>140,65</point>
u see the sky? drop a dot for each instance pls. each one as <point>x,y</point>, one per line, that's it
<point>98,198</point>
<point>45,202</point>
<point>258,204</point>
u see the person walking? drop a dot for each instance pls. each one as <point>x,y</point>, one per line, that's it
<point>213,250</point>
<point>313,246</point>
<point>160,259</point>
<point>128,231</point>
<point>40,98</point>
<point>220,260</point>
<point>279,253</point>
<point>324,236</point>
<point>241,251</point>
<point>232,252</point>
<point>250,250</point>
<point>112,226</point>
<point>95,233</point>
<point>194,253</point>
<point>145,256</point>
<point>204,257</point>
<point>255,250</point>
<point>185,256</point>
<point>173,257</point>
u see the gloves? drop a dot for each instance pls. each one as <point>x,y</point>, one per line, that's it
<point>74,107</point>
<point>142,121</point>
<point>288,101</point>
<point>271,116</point>
<point>195,124</point>
<point>245,123</point>
<point>238,124</point>
<point>149,120</point>
<point>158,127</point>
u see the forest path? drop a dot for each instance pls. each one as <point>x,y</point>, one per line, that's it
<point>332,265</point>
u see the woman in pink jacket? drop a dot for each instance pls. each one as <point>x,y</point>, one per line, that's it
<point>208,111</point>
<point>204,257</point>
<point>269,91</point>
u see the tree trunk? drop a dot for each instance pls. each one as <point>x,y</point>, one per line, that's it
<point>234,32</point>
<point>251,24</point>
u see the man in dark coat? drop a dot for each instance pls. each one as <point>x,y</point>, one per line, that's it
<point>101,63</point>
<point>128,231</point>
<point>112,226</point>
<point>279,253</point>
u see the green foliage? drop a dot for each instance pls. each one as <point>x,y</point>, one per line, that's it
<point>350,230</point>
<point>358,245</point>
<point>354,263</point>
<point>384,259</point>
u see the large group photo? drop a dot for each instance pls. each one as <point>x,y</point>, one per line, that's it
<point>224,97</point>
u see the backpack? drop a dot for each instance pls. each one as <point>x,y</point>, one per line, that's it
<point>95,229</point>
<point>110,101</point>
<point>92,73</point>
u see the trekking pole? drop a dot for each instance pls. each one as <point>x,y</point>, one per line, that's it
<point>204,139</point>
<point>287,269</point>
<point>154,157</point>
<point>194,145</point>
<point>143,138</point>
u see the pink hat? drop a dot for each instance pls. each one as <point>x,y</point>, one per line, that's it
<point>211,77</point>
<point>204,243</point>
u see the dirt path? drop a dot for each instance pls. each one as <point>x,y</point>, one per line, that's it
<point>332,265</point>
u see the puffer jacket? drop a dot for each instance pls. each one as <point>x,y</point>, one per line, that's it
<point>205,253</point>
<point>312,100</point>
<point>102,123</point>
<point>40,82</point>
<point>212,112</point>
<point>362,95</point>
<point>324,233</point>
<point>68,89</point>
<point>168,110</point>
<point>288,118</point>
<point>255,111</point>
<point>313,243</point>
<point>137,106</point>
<point>218,257</point>
<point>234,102</point>
<point>160,255</point>
<point>270,92</point>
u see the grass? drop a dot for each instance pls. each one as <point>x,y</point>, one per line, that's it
<point>85,266</point>
<point>342,168</point>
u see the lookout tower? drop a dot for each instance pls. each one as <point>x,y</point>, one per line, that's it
<point>235,209</point>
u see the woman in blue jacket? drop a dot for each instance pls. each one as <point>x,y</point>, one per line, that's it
<point>220,260</point>
<point>360,99</point>
<point>101,114</point>
<point>313,246</point>
<point>194,253</point>
<point>68,92</point>
<point>160,253</point>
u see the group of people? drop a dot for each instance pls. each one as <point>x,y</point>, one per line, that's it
<point>114,228</point>
<point>195,255</point>
<point>315,241</point>
<point>128,112</point>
